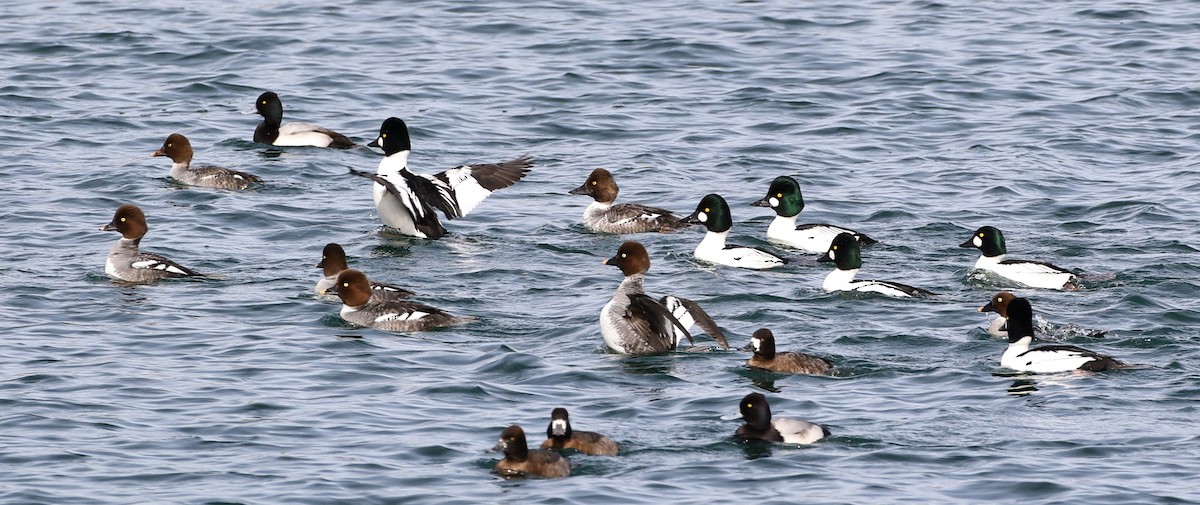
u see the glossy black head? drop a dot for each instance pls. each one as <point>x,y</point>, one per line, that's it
<point>333,259</point>
<point>784,197</point>
<point>713,213</point>
<point>393,137</point>
<point>755,411</point>
<point>988,240</point>
<point>1019,320</point>
<point>844,252</point>
<point>270,108</point>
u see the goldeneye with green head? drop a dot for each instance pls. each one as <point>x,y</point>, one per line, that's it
<point>785,199</point>
<point>713,213</point>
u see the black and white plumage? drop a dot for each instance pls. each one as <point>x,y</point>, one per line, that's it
<point>358,307</point>
<point>713,213</point>
<point>126,262</point>
<point>179,149</point>
<point>785,198</point>
<point>603,215</point>
<point>333,262</point>
<point>1035,274</point>
<point>844,252</point>
<point>406,201</point>
<point>634,323</point>
<point>761,426</point>
<point>272,130</point>
<point>1047,358</point>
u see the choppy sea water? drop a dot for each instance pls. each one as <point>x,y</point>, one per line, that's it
<point>1072,126</point>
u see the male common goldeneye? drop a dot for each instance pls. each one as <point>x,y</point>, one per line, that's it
<point>1034,274</point>
<point>845,253</point>
<point>999,304</point>
<point>604,216</point>
<point>272,131</point>
<point>179,149</point>
<point>128,264</point>
<point>406,201</point>
<point>519,461</point>
<point>713,213</point>
<point>358,307</point>
<point>333,262</point>
<point>559,436</point>
<point>1047,358</point>
<point>634,323</point>
<point>762,344</point>
<point>760,426</point>
<point>784,196</point>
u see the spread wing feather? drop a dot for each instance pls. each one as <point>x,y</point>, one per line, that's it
<point>690,313</point>
<point>416,192</point>
<point>650,318</point>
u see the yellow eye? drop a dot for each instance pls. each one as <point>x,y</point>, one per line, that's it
<point>345,284</point>
<point>706,209</point>
<point>623,255</point>
<point>384,136</point>
<point>122,220</point>
<point>835,248</point>
<point>749,405</point>
<point>264,102</point>
<point>980,235</point>
<point>169,145</point>
<point>593,183</point>
<point>778,195</point>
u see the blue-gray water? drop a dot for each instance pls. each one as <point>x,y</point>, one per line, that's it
<point>1070,125</point>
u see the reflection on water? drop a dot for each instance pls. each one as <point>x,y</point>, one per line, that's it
<point>1023,387</point>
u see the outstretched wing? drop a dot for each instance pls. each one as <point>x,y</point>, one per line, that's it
<point>413,195</point>
<point>650,318</point>
<point>689,313</point>
<point>463,188</point>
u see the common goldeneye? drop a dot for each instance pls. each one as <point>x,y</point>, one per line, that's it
<point>406,201</point>
<point>784,196</point>
<point>179,149</point>
<point>1047,358</point>
<point>604,216</point>
<point>713,213</point>
<point>521,462</point>
<point>333,262</point>
<point>999,304</point>
<point>634,323</point>
<point>762,344</point>
<point>272,131</point>
<point>559,436</point>
<point>761,426</point>
<point>390,315</point>
<point>845,253</point>
<point>1034,274</point>
<point>128,264</point>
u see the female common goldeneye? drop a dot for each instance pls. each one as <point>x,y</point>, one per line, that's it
<point>519,461</point>
<point>713,213</point>
<point>762,343</point>
<point>406,201</point>
<point>390,315</point>
<point>604,216</point>
<point>1034,274</point>
<point>179,149</point>
<point>1047,358</point>
<point>128,264</point>
<point>997,327</point>
<point>760,426</point>
<point>845,253</point>
<point>634,323</point>
<point>784,196</point>
<point>333,262</point>
<point>272,131</point>
<point>559,436</point>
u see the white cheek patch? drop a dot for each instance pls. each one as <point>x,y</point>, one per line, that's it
<point>379,141</point>
<point>559,425</point>
<point>773,201</point>
<point>703,217</point>
<point>401,316</point>
<point>756,343</point>
<point>977,241</point>
<point>832,254</point>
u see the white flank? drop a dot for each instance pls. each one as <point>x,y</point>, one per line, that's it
<point>302,134</point>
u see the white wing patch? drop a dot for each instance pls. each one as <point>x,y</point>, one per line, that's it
<point>158,265</point>
<point>468,193</point>
<point>401,316</point>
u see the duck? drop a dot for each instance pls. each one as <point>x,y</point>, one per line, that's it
<point>997,327</point>
<point>405,201</point>
<point>360,309</point>
<point>785,199</point>
<point>559,436</point>
<point>602,215</point>
<point>520,462</point>
<point>1046,358</point>
<point>333,262</point>
<point>844,252</point>
<point>634,323</point>
<point>762,344</point>
<point>1035,274</point>
<point>272,131</point>
<point>179,149</point>
<point>761,426</point>
<point>126,263</point>
<point>713,213</point>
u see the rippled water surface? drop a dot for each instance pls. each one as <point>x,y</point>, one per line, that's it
<point>1072,126</point>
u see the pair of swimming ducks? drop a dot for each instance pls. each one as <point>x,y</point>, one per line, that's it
<point>546,462</point>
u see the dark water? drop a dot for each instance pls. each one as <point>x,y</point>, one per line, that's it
<point>1070,125</point>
